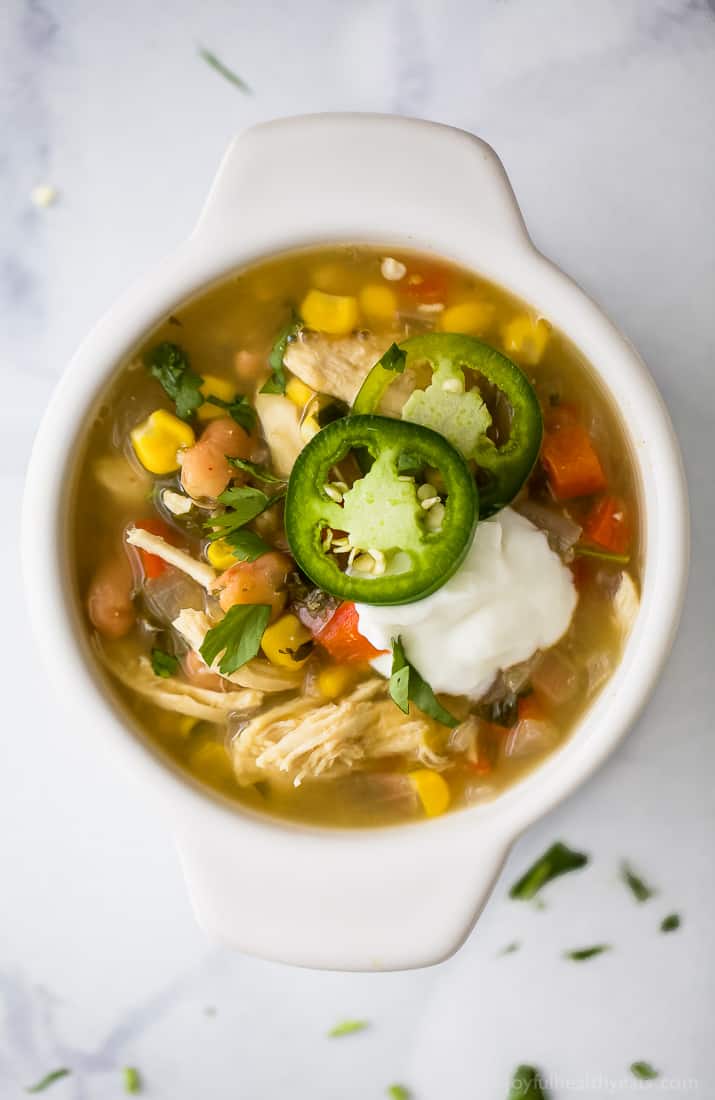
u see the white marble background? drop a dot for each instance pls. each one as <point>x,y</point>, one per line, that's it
<point>604,114</point>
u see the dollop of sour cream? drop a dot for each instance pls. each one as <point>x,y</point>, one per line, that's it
<point>511,596</point>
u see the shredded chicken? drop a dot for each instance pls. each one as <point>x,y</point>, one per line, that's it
<point>154,544</point>
<point>258,674</point>
<point>280,421</point>
<point>626,603</point>
<point>307,739</point>
<point>336,367</point>
<point>171,693</point>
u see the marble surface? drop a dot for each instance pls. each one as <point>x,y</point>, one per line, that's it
<point>604,114</point>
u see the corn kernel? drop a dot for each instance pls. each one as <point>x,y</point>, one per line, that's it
<point>470,318</point>
<point>335,314</point>
<point>220,555</point>
<point>432,791</point>
<point>212,386</point>
<point>211,763</point>
<point>526,337</point>
<point>158,440</point>
<point>333,680</point>
<point>282,640</point>
<point>298,392</point>
<point>378,303</point>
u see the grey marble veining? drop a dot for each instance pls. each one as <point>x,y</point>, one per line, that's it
<point>604,114</point>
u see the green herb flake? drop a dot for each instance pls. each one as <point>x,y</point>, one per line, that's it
<point>163,664</point>
<point>224,71</point>
<point>407,686</point>
<point>347,1027</point>
<point>639,888</point>
<point>245,503</point>
<point>644,1071</point>
<point>277,382</point>
<point>394,359</point>
<point>601,555</point>
<point>237,636</point>
<point>559,860</point>
<point>398,1092</point>
<point>247,545</point>
<point>670,923</point>
<point>49,1079</point>
<point>239,409</point>
<point>580,954</point>
<point>527,1082</point>
<point>132,1080</point>
<point>509,949</point>
<point>256,471</point>
<point>169,364</point>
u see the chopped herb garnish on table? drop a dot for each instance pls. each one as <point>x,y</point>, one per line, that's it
<point>169,364</point>
<point>277,382</point>
<point>347,1027</point>
<point>639,888</point>
<point>670,923</point>
<point>510,948</point>
<point>580,954</point>
<point>644,1071</point>
<point>398,1092</point>
<point>237,637</point>
<point>132,1080</point>
<point>407,686</point>
<point>559,860</point>
<point>526,1082</point>
<point>228,74</point>
<point>163,664</point>
<point>49,1079</point>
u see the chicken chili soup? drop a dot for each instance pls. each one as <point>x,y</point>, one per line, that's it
<point>356,535</point>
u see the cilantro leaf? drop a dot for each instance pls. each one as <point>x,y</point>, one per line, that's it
<point>670,923</point>
<point>559,860</point>
<point>644,1071</point>
<point>347,1027</point>
<point>277,382</point>
<point>580,954</point>
<point>510,948</point>
<point>163,664</point>
<point>169,364</point>
<point>239,409</point>
<point>247,545</point>
<point>398,1092</point>
<point>224,71</point>
<point>527,1083</point>
<point>49,1079</point>
<point>394,359</point>
<point>259,472</point>
<point>406,686</point>
<point>237,636</point>
<point>641,890</point>
<point>132,1080</point>
<point>245,503</point>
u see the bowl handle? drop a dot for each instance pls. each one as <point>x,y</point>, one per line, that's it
<point>354,900</point>
<point>357,177</point>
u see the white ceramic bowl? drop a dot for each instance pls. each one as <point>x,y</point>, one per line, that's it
<point>386,898</point>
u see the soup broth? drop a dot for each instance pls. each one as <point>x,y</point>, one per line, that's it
<point>311,726</point>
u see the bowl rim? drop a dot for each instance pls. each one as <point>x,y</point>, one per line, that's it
<point>516,264</point>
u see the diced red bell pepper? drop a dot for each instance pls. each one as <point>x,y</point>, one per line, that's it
<point>342,639</point>
<point>152,565</point>
<point>572,465</point>
<point>428,285</point>
<point>608,525</point>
